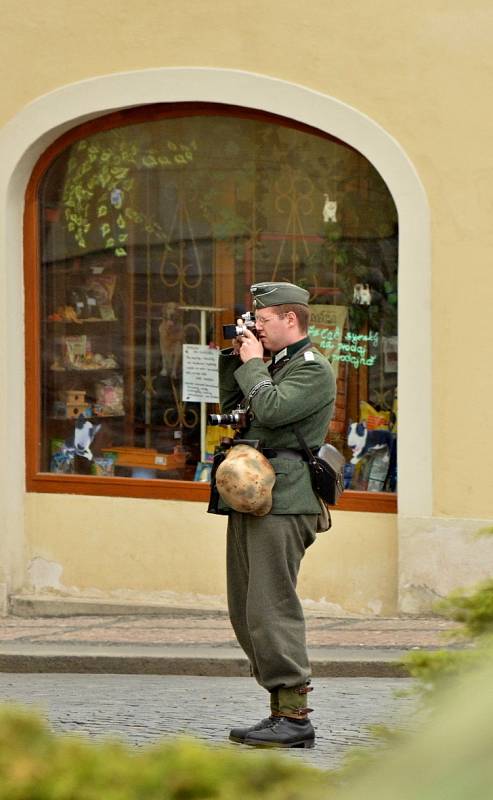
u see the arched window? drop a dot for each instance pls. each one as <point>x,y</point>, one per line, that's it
<point>144,231</point>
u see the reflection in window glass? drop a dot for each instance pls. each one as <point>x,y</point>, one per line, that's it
<point>151,235</point>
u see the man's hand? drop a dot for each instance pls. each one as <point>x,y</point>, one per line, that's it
<point>250,347</point>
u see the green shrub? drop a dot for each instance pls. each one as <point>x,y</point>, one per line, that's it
<point>435,670</point>
<point>450,754</point>
<point>474,611</point>
<point>36,764</point>
<point>448,758</point>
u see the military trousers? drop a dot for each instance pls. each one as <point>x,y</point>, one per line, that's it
<point>263,560</point>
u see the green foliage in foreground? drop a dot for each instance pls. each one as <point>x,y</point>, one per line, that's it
<point>451,756</point>
<point>448,758</point>
<point>474,611</point>
<point>36,764</point>
<point>435,670</point>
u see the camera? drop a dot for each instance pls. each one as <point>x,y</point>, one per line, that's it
<point>243,323</point>
<point>237,419</point>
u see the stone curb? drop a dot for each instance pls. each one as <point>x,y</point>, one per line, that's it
<point>197,666</point>
<point>54,607</point>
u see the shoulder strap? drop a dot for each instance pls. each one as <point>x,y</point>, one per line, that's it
<point>302,443</point>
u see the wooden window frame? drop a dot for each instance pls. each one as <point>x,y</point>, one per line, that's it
<point>45,482</point>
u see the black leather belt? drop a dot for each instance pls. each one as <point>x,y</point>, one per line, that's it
<point>275,452</point>
<point>283,452</point>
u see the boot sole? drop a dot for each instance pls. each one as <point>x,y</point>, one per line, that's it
<point>307,745</point>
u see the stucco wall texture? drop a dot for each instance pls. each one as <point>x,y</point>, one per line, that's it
<point>424,72</point>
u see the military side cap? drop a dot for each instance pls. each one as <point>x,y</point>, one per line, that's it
<point>277,294</point>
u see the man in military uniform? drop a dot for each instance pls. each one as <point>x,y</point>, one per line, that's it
<point>295,390</point>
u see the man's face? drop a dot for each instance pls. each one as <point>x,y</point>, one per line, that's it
<point>274,331</point>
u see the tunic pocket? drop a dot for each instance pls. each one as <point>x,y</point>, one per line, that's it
<point>289,487</point>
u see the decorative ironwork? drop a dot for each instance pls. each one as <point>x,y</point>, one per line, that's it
<point>149,390</point>
<point>294,199</point>
<point>180,415</point>
<point>178,270</point>
<point>179,263</point>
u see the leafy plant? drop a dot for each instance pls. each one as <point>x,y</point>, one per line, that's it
<point>100,186</point>
<point>36,764</point>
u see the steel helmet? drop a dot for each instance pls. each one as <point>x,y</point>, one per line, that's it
<point>245,479</point>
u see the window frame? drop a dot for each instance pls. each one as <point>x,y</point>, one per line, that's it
<point>45,482</point>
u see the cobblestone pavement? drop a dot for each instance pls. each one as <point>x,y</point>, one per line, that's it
<point>215,630</point>
<point>142,708</point>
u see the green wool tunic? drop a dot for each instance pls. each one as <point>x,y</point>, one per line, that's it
<point>301,392</point>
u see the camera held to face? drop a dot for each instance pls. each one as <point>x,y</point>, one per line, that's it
<point>238,418</point>
<point>244,323</point>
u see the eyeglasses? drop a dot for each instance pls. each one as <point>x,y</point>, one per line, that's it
<point>264,320</point>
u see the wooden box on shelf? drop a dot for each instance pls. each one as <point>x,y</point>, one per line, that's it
<point>73,396</point>
<point>146,457</point>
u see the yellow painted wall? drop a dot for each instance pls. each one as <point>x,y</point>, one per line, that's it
<point>422,70</point>
<point>161,550</point>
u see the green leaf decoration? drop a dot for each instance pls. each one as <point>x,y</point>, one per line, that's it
<point>106,162</point>
<point>148,160</point>
<point>134,215</point>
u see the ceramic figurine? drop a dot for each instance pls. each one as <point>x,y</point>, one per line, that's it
<point>329,210</point>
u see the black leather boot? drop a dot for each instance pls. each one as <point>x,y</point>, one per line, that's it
<point>282,732</point>
<point>239,734</point>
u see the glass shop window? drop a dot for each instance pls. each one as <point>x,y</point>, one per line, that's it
<point>149,233</point>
